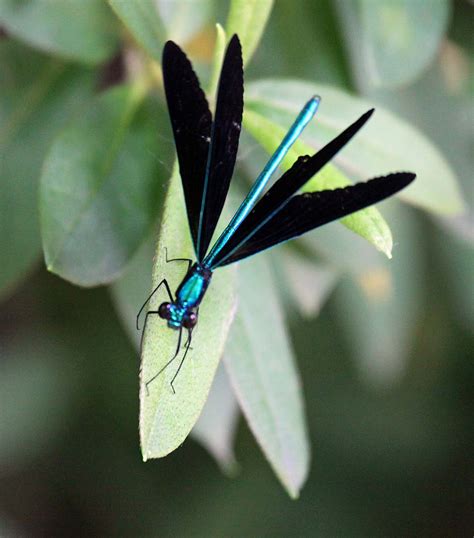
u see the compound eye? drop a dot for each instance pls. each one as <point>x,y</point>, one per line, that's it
<point>190,320</point>
<point>165,310</point>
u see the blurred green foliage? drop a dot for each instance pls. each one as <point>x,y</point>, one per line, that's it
<point>383,348</point>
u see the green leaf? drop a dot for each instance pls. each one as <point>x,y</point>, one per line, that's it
<point>216,428</point>
<point>183,20</point>
<point>82,31</point>
<point>439,103</point>
<point>321,58</point>
<point>391,43</point>
<point>386,144</point>
<point>133,287</point>
<point>341,250</point>
<point>310,283</point>
<point>260,364</point>
<point>101,187</point>
<point>37,97</point>
<point>368,223</point>
<point>144,23</point>
<point>381,305</point>
<point>167,418</point>
<point>248,19</point>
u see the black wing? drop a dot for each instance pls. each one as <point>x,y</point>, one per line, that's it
<point>224,143</point>
<point>307,211</point>
<point>287,185</point>
<point>191,122</point>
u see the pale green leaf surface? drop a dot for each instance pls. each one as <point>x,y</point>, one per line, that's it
<point>37,97</point>
<point>248,19</point>
<point>100,187</point>
<point>462,227</point>
<point>183,20</point>
<point>143,22</point>
<point>385,144</point>
<point>368,223</point>
<point>391,42</point>
<point>167,418</point>
<point>80,30</point>
<point>216,428</point>
<point>310,283</point>
<point>260,364</point>
<point>341,249</point>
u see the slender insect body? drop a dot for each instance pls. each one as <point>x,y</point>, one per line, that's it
<point>207,149</point>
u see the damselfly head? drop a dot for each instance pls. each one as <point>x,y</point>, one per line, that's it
<point>190,320</point>
<point>164,311</point>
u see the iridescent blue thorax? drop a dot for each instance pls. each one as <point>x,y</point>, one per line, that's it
<point>189,295</point>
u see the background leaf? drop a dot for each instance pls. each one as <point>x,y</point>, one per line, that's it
<point>444,88</point>
<point>309,282</point>
<point>101,188</point>
<point>320,59</point>
<point>82,31</point>
<point>37,97</point>
<point>341,250</point>
<point>248,18</point>
<point>261,368</point>
<point>167,418</point>
<point>392,42</point>
<point>373,306</point>
<point>143,22</point>
<point>386,144</point>
<point>133,287</point>
<point>183,20</point>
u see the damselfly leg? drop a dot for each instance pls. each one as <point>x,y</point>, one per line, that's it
<point>152,312</point>
<point>190,262</point>
<point>167,364</point>
<point>187,346</point>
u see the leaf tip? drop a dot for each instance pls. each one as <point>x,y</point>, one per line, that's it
<point>382,238</point>
<point>383,243</point>
<point>294,493</point>
<point>220,30</point>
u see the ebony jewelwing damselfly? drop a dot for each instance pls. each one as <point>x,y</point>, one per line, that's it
<point>207,151</point>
